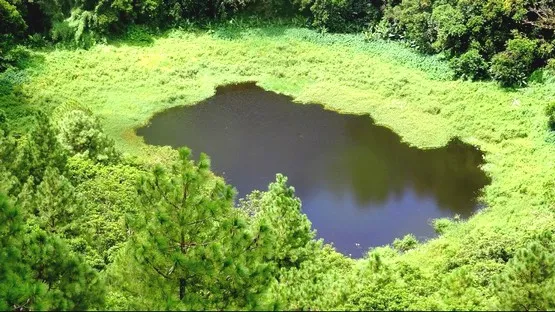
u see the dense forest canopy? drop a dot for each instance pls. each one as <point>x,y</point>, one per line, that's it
<point>503,40</point>
<point>86,225</point>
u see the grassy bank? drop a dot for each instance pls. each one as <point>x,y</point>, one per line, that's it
<point>126,84</point>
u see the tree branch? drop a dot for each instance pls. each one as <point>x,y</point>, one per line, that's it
<point>156,269</point>
<point>545,17</point>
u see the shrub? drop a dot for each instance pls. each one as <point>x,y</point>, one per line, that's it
<point>550,112</point>
<point>512,66</point>
<point>471,65</point>
<point>406,243</point>
<point>550,68</point>
<point>14,57</point>
<point>413,18</point>
<point>81,29</point>
<point>450,24</point>
<point>382,30</point>
<point>81,134</point>
<point>343,15</point>
<point>442,225</point>
<point>139,35</point>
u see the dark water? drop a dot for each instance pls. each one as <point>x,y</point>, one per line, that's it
<point>358,183</point>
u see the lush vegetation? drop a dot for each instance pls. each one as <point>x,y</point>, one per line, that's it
<point>92,218</point>
<point>504,40</point>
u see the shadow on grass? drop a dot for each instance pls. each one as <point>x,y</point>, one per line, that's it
<point>234,29</point>
<point>238,29</point>
<point>138,36</point>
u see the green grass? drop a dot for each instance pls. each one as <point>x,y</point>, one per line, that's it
<point>409,93</point>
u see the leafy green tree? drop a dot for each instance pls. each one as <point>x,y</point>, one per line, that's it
<point>512,66</point>
<point>11,21</point>
<point>413,20</point>
<point>470,65</point>
<point>33,167</point>
<point>251,204</point>
<point>82,134</point>
<point>322,282</point>
<point>450,25</point>
<point>379,284</point>
<point>342,15</point>
<point>27,159</point>
<point>48,208</point>
<point>193,244</point>
<point>7,155</point>
<point>12,26</point>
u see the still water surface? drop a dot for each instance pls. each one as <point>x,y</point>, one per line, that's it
<point>359,184</point>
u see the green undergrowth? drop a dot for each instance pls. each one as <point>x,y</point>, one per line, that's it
<point>125,84</point>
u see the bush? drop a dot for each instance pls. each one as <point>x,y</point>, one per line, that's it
<point>471,65</point>
<point>14,57</point>
<point>382,30</point>
<point>81,134</point>
<point>413,20</point>
<point>550,68</point>
<point>81,29</point>
<point>343,15</point>
<point>406,243</point>
<point>442,225</point>
<point>513,66</point>
<point>550,112</point>
<point>139,35</point>
<point>451,27</point>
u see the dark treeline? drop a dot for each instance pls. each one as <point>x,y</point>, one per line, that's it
<point>503,40</point>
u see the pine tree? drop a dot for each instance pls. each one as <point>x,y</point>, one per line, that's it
<point>195,246</point>
<point>7,156</point>
<point>291,232</point>
<point>70,283</point>
<point>16,284</point>
<point>28,157</point>
<point>82,134</point>
<point>53,204</point>
<point>38,271</point>
<point>528,281</point>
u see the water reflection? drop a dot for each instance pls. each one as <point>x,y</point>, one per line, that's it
<point>357,181</point>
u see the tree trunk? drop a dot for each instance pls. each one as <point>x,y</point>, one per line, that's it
<point>181,288</point>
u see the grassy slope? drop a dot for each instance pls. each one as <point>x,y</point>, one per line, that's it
<point>408,93</point>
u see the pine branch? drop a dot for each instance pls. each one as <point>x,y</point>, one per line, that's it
<point>156,269</point>
<point>185,191</point>
<point>163,194</point>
